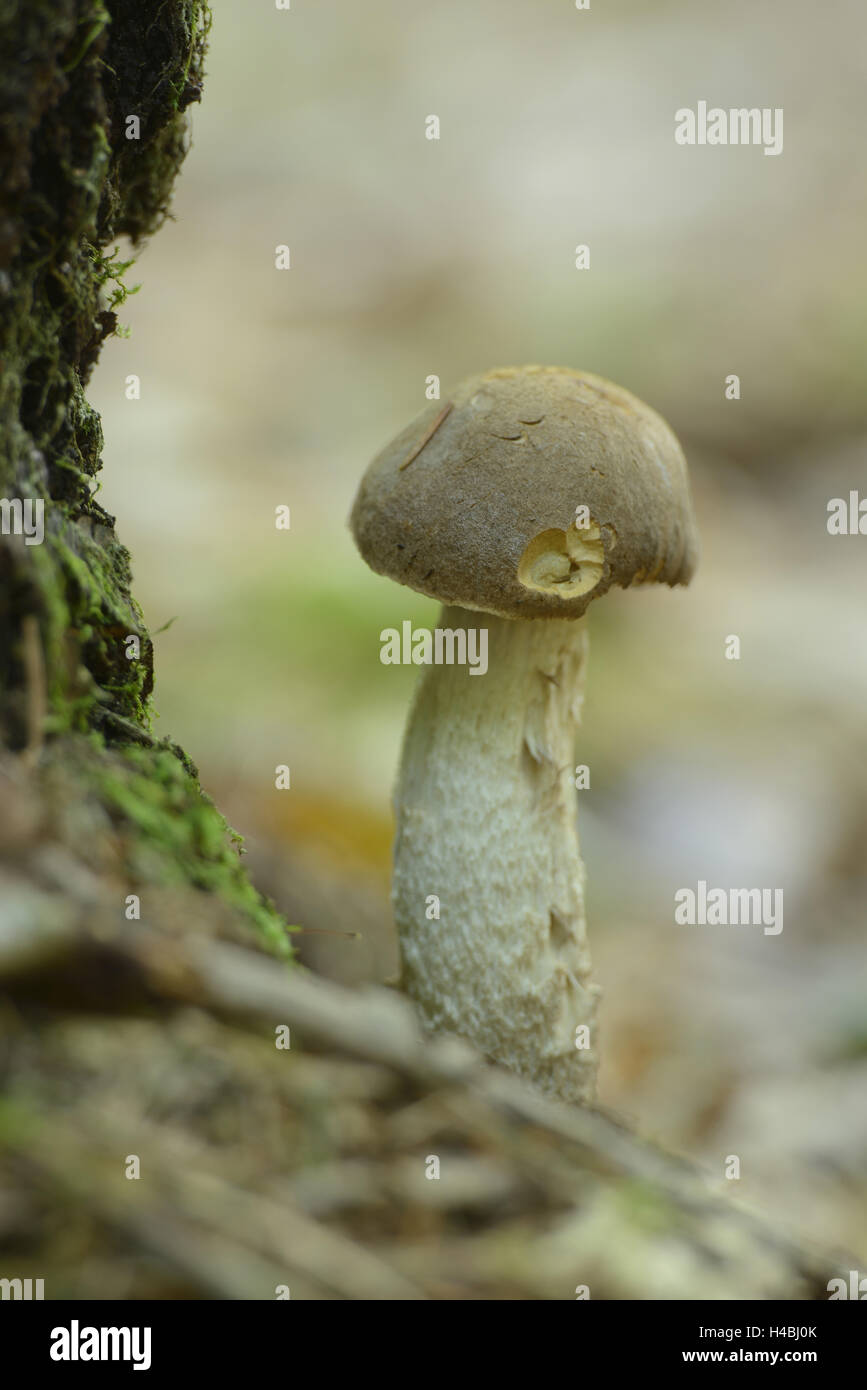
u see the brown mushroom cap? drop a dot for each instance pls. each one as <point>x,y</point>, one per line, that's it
<point>475,502</point>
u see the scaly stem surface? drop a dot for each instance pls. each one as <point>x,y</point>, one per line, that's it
<point>485,809</point>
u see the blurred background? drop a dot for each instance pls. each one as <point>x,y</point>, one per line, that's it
<point>412,257</point>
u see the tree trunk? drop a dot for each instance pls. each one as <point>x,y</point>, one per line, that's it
<point>92,135</point>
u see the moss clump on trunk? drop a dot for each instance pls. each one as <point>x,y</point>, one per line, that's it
<point>74,73</point>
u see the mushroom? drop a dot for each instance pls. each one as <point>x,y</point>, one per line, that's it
<point>523,498</point>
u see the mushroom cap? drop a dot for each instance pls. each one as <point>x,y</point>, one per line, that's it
<point>528,494</point>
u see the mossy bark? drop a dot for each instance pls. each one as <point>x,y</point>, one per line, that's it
<point>73,182</point>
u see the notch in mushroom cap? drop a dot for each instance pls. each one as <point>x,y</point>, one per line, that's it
<point>476,502</point>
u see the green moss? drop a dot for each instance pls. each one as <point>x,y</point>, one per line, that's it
<point>73,184</point>
<point>93,25</point>
<point>171,832</point>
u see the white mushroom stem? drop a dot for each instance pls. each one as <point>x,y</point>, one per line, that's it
<point>485,807</point>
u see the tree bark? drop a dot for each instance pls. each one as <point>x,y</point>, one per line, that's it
<point>93,132</point>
